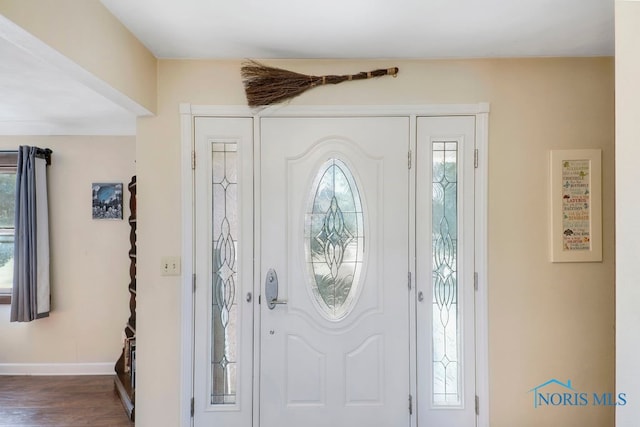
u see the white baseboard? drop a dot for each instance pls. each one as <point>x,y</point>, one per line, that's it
<point>57,368</point>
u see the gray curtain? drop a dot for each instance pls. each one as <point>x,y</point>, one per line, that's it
<point>30,298</point>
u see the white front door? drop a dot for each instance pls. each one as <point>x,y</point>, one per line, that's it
<point>334,348</point>
<point>339,223</point>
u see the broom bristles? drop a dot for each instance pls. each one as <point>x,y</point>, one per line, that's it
<point>266,85</point>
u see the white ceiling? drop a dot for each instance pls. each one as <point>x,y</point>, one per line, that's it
<point>42,92</point>
<point>369,28</point>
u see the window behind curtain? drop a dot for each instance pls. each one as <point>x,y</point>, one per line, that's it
<point>8,163</point>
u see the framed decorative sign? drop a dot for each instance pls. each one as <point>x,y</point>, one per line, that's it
<point>576,205</point>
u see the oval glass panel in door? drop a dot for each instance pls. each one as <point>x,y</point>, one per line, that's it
<point>334,239</point>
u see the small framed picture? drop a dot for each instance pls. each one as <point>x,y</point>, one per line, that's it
<point>576,206</point>
<point>107,200</point>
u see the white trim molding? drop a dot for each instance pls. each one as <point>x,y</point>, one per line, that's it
<point>482,247</point>
<point>188,265</point>
<point>336,110</point>
<point>57,368</point>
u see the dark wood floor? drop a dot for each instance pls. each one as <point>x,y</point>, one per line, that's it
<point>60,401</point>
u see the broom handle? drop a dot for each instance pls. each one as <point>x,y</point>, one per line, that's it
<point>393,71</point>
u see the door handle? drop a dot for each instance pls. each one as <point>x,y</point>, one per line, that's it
<point>271,289</point>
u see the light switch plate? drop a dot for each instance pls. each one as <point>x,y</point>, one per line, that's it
<point>170,266</point>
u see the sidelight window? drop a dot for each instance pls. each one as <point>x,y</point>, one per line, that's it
<point>224,309</point>
<point>446,332</point>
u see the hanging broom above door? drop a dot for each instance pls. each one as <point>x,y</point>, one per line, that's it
<point>266,85</point>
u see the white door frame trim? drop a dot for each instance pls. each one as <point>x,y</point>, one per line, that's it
<point>187,114</point>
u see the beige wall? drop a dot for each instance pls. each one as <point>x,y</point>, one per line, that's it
<point>89,261</point>
<point>546,320</point>
<point>627,208</point>
<point>87,33</point>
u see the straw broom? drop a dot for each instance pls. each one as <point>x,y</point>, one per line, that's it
<point>266,85</point>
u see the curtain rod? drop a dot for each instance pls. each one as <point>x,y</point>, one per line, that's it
<point>44,153</point>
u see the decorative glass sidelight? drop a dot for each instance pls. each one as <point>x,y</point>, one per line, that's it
<point>224,309</point>
<point>334,239</point>
<point>447,376</point>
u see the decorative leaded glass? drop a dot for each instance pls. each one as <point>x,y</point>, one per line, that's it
<point>224,309</point>
<point>447,389</point>
<point>334,239</point>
